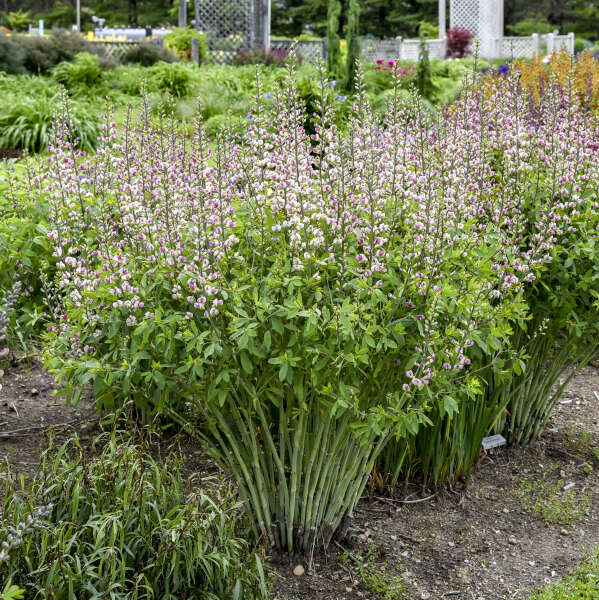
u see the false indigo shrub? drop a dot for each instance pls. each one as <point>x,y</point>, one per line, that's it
<point>25,251</point>
<point>7,307</point>
<point>124,526</point>
<point>562,338</point>
<point>311,294</point>
<point>538,160</point>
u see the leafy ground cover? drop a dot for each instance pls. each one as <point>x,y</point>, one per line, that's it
<point>582,585</point>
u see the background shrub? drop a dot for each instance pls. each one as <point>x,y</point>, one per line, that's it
<point>179,40</point>
<point>260,56</point>
<point>458,42</point>
<point>174,78</point>
<point>126,527</point>
<point>12,55</point>
<point>147,54</point>
<point>26,121</point>
<point>20,54</point>
<point>44,53</point>
<point>219,123</point>
<point>83,73</point>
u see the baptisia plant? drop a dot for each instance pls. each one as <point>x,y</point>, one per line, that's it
<point>310,294</point>
<point>557,168</point>
<point>7,305</point>
<point>526,163</point>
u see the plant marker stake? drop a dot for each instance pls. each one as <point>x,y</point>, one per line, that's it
<point>493,441</point>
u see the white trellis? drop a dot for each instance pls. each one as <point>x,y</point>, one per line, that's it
<point>233,25</point>
<point>484,18</point>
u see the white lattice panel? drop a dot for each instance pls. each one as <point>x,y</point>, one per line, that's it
<point>410,49</point>
<point>381,49</point>
<point>117,50</point>
<point>465,13</point>
<point>230,25</point>
<point>516,47</point>
<point>310,51</point>
<point>437,48</point>
<point>373,50</point>
<point>484,18</point>
<point>563,42</point>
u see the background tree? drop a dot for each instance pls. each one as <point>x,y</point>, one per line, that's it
<point>379,18</point>
<point>333,41</point>
<point>353,43</point>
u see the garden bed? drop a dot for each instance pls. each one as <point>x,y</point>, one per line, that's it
<point>475,542</point>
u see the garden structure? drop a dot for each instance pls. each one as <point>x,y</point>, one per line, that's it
<point>233,25</point>
<point>483,18</point>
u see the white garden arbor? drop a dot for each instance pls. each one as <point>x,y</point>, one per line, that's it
<point>484,18</point>
<point>233,25</point>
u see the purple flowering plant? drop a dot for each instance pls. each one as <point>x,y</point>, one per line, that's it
<point>24,251</point>
<point>539,160</point>
<point>311,294</point>
<point>7,307</point>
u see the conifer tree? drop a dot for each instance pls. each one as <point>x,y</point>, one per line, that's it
<point>353,43</point>
<point>333,41</point>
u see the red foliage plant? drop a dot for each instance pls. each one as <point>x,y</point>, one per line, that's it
<point>458,42</point>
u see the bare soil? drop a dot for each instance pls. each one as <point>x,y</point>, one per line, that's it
<point>477,542</point>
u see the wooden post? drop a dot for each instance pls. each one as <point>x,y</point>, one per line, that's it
<point>399,47</point>
<point>182,13</point>
<point>78,9</point>
<point>195,50</point>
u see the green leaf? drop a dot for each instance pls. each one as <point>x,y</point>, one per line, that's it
<point>450,406</point>
<point>277,325</point>
<point>246,363</point>
<point>283,371</point>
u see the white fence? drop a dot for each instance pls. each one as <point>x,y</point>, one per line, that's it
<point>312,51</point>
<point>372,49</point>
<point>527,47</point>
<point>400,49</point>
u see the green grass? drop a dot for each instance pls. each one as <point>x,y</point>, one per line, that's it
<point>547,499</point>
<point>583,585</point>
<point>376,580</point>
